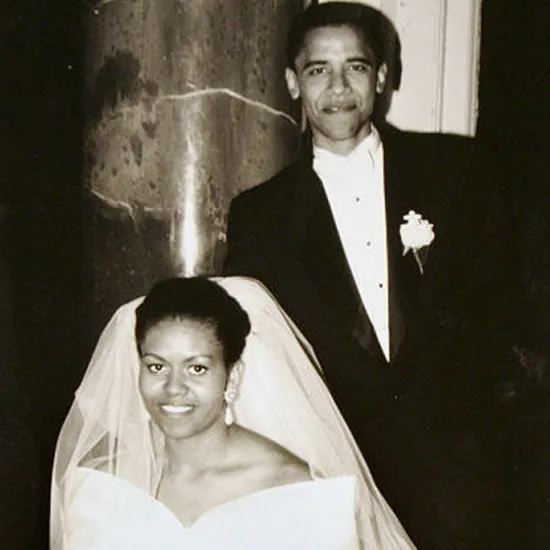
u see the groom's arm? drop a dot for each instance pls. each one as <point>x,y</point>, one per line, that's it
<point>474,276</point>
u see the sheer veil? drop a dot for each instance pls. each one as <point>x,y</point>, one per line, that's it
<point>282,396</point>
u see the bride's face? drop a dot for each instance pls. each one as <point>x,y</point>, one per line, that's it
<point>183,377</point>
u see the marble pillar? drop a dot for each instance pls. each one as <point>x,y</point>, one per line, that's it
<point>185,106</point>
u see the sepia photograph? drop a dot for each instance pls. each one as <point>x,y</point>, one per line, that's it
<point>275,274</point>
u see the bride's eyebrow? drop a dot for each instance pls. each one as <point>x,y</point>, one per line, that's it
<point>189,358</point>
<point>152,355</point>
<point>198,356</point>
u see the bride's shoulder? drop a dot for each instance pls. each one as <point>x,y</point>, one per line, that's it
<point>273,460</point>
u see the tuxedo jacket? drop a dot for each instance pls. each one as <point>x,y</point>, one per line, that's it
<point>282,232</point>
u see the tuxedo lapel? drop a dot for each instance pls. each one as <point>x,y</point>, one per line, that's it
<point>322,258</point>
<point>398,275</point>
<point>404,275</point>
<point>319,250</point>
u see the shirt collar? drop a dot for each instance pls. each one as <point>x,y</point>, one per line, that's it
<point>366,150</point>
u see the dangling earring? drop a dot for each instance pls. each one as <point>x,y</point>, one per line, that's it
<point>229,396</point>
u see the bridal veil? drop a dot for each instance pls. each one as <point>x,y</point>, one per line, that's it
<point>282,396</point>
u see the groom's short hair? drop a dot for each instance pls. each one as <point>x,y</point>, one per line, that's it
<point>377,30</point>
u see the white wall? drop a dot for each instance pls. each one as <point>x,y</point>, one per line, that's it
<point>440,49</point>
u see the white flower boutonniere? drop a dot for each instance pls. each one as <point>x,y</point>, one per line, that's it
<point>416,233</point>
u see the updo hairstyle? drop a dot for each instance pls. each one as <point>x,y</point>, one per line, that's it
<point>199,299</point>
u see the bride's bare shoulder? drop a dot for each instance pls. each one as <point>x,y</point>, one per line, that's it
<point>271,458</point>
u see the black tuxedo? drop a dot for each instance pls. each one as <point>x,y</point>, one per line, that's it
<point>403,413</point>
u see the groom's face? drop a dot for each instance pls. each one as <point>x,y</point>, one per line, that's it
<point>338,77</point>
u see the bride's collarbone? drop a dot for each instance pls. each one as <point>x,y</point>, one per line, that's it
<point>256,466</point>
<point>278,464</point>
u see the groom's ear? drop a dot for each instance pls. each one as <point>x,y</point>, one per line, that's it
<point>292,83</point>
<point>381,77</point>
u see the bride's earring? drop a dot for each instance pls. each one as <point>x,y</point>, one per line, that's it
<point>229,396</point>
<point>230,393</point>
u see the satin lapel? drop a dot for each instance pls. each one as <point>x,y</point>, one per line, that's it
<point>323,260</point>
<point>404,276</point>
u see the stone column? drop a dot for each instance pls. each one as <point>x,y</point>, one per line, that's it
<point>186,106</point>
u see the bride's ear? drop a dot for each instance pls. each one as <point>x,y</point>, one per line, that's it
<point>231,391</point>
<point>234,378</point>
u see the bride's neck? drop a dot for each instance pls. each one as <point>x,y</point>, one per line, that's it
<point>198,453</point>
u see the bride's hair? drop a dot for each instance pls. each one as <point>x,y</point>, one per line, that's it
<point>199,299</point>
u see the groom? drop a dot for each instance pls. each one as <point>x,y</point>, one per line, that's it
<point>359,240</point>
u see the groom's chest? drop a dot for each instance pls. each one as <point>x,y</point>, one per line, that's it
<point>325,234</point>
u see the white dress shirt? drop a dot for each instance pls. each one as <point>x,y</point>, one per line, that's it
<point>354,185</point>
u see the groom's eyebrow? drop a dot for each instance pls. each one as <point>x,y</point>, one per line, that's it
<point>360,59</point>
<point>314,62</point>
<point>367,60</point>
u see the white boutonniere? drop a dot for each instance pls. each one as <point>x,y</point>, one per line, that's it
<point>416,233</point>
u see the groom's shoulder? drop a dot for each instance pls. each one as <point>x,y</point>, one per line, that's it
<point>428,144</point>
<point>273,189</point>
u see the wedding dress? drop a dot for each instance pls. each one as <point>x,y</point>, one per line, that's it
<point>281,396</point>
<point>108,513</point>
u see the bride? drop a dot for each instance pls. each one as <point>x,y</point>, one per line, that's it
<point>203,422</point>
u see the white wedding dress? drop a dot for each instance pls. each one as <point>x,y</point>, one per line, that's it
<point>108,513</point>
